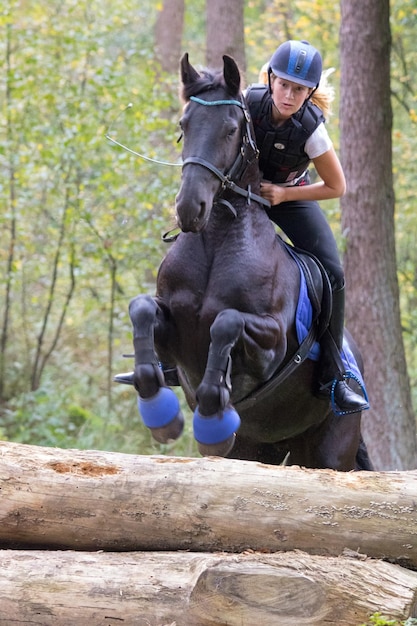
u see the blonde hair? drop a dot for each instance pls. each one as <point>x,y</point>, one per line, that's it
<point>324,94</point>
<point>322,97</point>
<point>263,74</point>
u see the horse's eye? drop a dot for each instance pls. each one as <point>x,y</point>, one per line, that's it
<point>184,123</point>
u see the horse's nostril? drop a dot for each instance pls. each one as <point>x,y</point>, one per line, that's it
<point>200,216</point>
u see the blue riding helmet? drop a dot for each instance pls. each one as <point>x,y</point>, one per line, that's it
<point>297,61</point>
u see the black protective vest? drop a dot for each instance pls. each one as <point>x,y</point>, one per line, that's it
<point>281,149</point>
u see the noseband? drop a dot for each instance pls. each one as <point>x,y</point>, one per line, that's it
<point>247,154</point>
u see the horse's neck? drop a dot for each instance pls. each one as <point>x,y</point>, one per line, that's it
<point>251,224</point>
<point>252,178</point>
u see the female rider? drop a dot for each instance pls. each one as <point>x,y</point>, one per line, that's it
<point>290,134</point>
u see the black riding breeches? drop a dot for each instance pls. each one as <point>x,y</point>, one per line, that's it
<point>305,224</point>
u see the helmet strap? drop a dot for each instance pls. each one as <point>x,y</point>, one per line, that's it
<point>313,91</point>
<point>269,80</point>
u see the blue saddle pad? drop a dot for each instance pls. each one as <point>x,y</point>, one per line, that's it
<point>303,321</point>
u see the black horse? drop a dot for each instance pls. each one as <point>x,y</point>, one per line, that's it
<point>224,310</point>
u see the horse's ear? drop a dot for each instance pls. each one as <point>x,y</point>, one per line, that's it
<point>188,73</point>
<point>231,74</point>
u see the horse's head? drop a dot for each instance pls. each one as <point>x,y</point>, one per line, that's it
<point>215,127</point>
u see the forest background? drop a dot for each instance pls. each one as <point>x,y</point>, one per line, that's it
<point>81,219</point>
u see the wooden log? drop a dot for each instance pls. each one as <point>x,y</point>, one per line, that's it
<point>190,589</point>
<point>91,500</point>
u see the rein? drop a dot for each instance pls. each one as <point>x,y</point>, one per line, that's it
<point>121,145</point>
<point>239,165</point>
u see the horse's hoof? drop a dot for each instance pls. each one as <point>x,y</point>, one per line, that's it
<point>216,434</point>
<point>217,449</point>
<point>162,414</point>
<point>171,432</point>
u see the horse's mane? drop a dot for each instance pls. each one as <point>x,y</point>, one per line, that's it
<point>208,80</point>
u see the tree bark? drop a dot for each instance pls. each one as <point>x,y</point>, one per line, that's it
<point>373,313</point>
<point>190,589</point>
<point>225,32</point>
<point>168,35</point>
<point>90,500</point>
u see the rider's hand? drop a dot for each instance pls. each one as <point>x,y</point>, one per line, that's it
<point>274,193</point>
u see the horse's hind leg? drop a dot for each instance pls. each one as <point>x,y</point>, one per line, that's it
<point>158,404</point>
<point>332,445</point>
<point>363,462</point>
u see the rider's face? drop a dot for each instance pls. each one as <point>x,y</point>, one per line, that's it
<point>288,96</point>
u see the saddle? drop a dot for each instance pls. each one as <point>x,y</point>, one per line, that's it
<point>319,289</point>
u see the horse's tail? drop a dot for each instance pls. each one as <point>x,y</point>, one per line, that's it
<point>363,462</point>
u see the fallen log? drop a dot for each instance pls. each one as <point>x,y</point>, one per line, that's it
<point>91,500</point>
<point>190,589</point>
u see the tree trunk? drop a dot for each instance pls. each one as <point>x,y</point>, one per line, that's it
<point>168,35</point>
<point>225,32</point>
<point>373,313</point>
<point>92,500</point>
<point>189,589</point>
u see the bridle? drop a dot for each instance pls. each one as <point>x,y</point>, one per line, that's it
<point>248,153</point>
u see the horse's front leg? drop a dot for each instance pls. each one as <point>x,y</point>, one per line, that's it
<point>215,419</point>
<point>157,403</point>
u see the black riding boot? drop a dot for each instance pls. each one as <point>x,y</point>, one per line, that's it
<point>331,365</point>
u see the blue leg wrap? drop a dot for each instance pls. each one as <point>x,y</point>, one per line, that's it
<point>215,429</point>
<point>159,410</point>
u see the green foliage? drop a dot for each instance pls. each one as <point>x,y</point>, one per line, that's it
<point>403,79</point>
<point>267,24</point>
<point>379,620</point>
<point>81,218</point>
<point>56,415</point>
<point>65,85</point>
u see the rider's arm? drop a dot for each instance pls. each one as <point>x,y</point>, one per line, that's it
<point>328,167</point>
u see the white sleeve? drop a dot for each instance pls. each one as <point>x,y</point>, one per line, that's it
<point>318,143</point>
